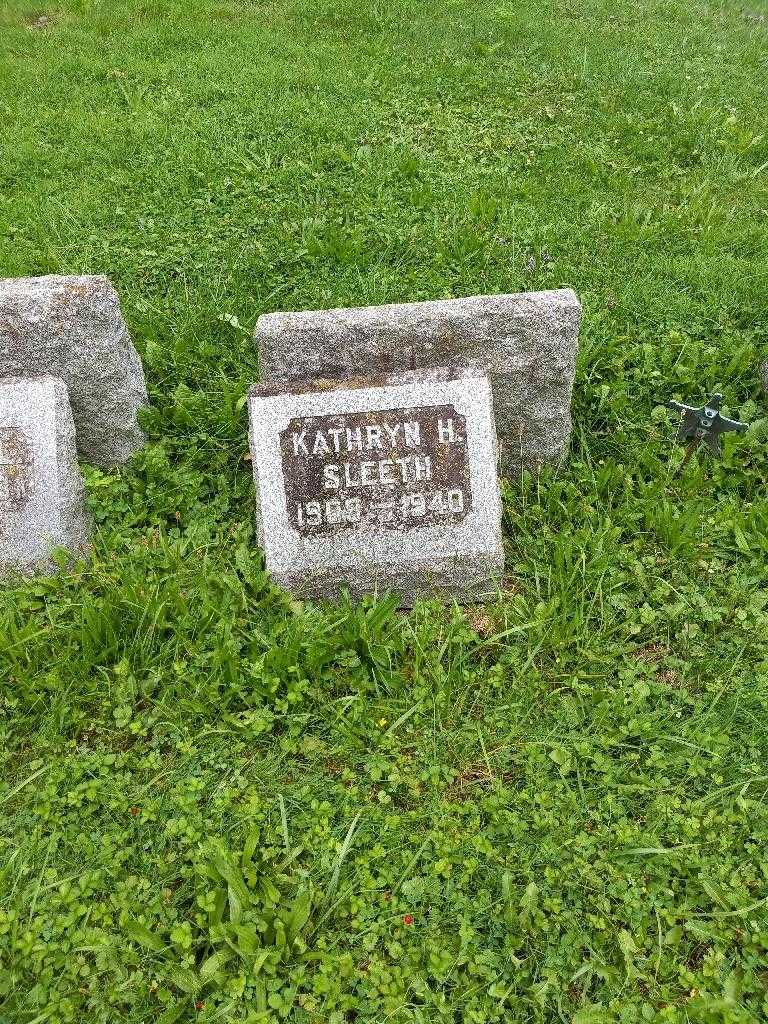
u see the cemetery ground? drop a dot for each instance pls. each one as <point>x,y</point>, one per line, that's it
<point>222,804</point>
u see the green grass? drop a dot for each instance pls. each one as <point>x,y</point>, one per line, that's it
<point>219,804</point>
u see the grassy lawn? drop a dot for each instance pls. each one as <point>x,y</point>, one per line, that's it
<point>220,804</point>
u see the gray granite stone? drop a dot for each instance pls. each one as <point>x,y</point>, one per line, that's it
<point>41,490</point>
<point>379,484</point>
<point>526,342</point>
<point>72,328</point>
<point>764,375</point>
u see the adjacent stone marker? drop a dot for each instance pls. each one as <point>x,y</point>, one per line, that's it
<point>41,491</point>
<point>526,342</point>
<point>72,328</point>
<point>383,484</point>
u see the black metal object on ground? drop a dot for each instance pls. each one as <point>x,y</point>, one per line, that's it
<point>704,425</point>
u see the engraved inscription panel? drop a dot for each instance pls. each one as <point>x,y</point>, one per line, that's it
<point>393,469</point>
<point>15,469</point>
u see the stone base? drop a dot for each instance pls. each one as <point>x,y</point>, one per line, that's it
<point>526,342</point>
<point>72,328</point>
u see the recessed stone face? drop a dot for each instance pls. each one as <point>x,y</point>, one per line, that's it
<point>526,342</point>
<point>379,484</point>
<point>73,328</point>
<point>41,490</point>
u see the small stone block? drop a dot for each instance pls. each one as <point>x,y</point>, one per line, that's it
<point>41,490</point>
<point>527,342</point>
<point>379,484</point>
<point>73,328</point>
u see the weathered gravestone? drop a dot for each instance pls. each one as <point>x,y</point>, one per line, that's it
<point>379,484</point>
<point>526,342</point>
<point>41,490</point>
<point>72,328</point>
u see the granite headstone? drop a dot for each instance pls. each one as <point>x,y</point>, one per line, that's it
<point>526,342</point>
<point>73,328</point>
<point>379,484</point>
<point>41,490</point>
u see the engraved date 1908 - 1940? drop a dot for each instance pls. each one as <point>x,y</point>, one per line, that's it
<point>391,469</point>
<point>414,506</point>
